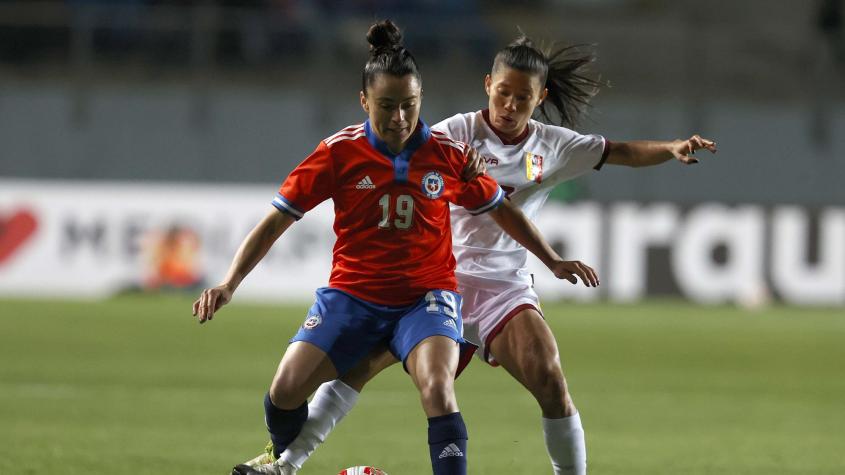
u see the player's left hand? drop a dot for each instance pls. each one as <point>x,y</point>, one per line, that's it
<point>683,150</point>
<point>475,165</point>
<point>570,269</point>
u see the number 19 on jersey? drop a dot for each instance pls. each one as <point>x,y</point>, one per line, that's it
<point>404,211</point>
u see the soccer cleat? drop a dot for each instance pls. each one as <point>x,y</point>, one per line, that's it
<point>265,458</point>
<point>276,468</point>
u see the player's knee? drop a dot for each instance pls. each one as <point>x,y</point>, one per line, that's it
<point>286,391</point>
<point>438,394</point>
<point>548,385</point>
<point>357,379</point>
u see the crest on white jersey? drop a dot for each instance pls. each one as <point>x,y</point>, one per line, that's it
<point>533,167</point>
<point>432,185</point>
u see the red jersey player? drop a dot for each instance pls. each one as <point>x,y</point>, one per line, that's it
<point>392,278</point>
<point>390,209</point>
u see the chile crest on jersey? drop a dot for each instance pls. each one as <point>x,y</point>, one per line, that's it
<point>433,185</point>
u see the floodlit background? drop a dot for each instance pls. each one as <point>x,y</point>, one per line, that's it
<point>141,140</point>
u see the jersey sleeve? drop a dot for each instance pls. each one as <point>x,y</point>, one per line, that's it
<point>479,195</point>
<point>576,155</point>
<point>456,127</point>
<point>308,185</point>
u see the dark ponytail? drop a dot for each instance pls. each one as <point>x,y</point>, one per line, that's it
<point>387,54</point>
<point>562,71</point>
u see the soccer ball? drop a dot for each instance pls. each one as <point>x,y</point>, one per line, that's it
<point>361,470</point>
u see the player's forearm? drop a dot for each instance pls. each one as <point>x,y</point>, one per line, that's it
<point>513,221</point>
<point>255,246</point>
<point>641,153</point>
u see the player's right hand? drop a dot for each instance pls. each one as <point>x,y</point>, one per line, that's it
<point>475,165</point>
<point>210,301</point>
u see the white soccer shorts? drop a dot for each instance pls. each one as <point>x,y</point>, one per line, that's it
<point>488,305</point>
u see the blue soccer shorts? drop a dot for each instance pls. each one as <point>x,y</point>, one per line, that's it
<point>348,328</point>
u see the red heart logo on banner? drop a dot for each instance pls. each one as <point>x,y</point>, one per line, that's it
<point>15,231</point>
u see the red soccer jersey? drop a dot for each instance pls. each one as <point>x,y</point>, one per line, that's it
<point>394,238</point>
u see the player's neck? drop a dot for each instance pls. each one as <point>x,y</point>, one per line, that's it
<point>505,138</point>
<point>396,149</point>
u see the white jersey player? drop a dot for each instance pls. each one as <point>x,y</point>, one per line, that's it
<point>501,311</point>
<point>491,270</point>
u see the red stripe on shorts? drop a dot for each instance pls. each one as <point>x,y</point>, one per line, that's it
<point>501,325</point>
<point>467,350</point>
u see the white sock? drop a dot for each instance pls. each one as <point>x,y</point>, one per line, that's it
<point>565,443</point>
<point>331,402</point>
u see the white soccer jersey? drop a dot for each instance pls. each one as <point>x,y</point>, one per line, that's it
<point>527,171</point>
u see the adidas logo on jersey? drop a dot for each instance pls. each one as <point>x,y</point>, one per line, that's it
<point>451,450</point>
<point>365,184</point>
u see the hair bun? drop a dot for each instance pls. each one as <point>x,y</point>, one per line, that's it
<point>522,40</point>
<point>384,34</point>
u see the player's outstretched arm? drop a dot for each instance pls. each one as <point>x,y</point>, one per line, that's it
<point>252,250</point>
<point>518,226</point>
<point>645,153</point>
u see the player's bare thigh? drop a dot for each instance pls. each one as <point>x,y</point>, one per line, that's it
<point>527,349</point>
<point>432,365</point>
<point>378,360</point>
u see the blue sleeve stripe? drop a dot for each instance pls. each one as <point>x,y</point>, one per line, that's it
<point>500,195</point>
<point>284,205</point>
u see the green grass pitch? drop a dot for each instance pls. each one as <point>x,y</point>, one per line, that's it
<point>134,385</point>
